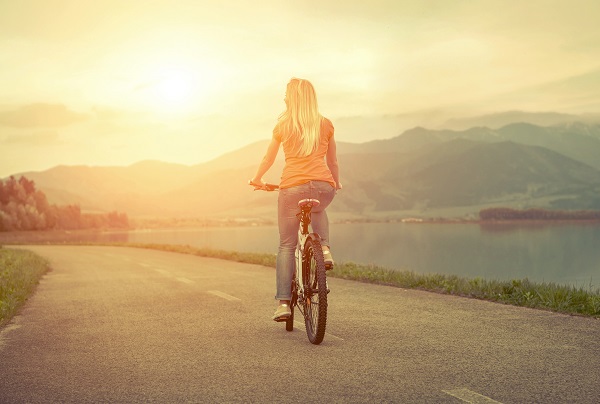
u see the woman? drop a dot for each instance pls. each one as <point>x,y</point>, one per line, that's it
<point>311,171</point>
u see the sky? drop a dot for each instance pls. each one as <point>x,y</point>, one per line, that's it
<point>114,82</point>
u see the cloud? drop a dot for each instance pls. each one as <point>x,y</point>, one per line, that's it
<point>42,138</point>
<point>40,115</point>
<point>105,113</point>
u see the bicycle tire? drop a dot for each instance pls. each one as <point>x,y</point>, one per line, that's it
<point>315,291</point>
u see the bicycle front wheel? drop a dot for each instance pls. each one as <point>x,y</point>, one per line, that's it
<point>315,291</point>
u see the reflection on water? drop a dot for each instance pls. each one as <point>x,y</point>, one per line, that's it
<point>566,253</point>
<point>532,226</point>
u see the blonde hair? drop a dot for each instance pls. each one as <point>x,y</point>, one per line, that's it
<point>302,119</point>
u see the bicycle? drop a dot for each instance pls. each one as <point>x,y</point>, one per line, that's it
<point>309,283</point>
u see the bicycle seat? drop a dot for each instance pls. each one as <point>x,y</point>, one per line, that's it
<point>308,202</point>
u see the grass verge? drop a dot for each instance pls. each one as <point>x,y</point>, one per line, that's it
<point>20,272</point>
<point>517,292</point>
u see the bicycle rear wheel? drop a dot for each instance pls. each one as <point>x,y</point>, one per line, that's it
<point>315,291</point>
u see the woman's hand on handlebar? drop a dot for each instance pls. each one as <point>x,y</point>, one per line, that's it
<point>263,186</point>
<point>257,183</point>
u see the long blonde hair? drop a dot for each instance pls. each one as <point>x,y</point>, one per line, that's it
<point>302,119</point>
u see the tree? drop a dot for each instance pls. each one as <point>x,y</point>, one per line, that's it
<point>22,207</point>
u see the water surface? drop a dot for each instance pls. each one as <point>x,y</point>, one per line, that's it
<point>563,253</point>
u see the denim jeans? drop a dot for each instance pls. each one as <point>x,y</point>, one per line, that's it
<point>287,208</point>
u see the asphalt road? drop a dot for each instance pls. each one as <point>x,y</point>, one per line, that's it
<point>130,325</point>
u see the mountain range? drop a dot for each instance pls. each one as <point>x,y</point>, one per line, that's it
<point>421,172</point>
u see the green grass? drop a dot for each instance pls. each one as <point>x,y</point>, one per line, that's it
<point>517,292</point>
<point>20,272</point>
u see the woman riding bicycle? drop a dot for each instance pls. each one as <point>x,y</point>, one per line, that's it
<point>310,171</point>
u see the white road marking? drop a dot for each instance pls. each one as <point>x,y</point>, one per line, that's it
<point>162,272</point>
<point>224,295</point>
<point>469,396</point>
<point>169,274</point>
<point>327,335</point>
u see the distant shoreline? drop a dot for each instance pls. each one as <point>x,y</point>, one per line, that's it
<point>70,236</point>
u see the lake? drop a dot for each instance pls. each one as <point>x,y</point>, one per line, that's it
<point>562,253</point>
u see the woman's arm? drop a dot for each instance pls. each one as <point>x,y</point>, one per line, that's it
<point>267,161</point>
<point>332,162</point>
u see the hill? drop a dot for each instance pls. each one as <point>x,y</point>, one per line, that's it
<point>576,140</point>
<point>501,119</point>
<point>421,172</point>
<point>464,174</point>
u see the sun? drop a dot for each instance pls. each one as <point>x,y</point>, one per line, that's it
<point>175,88</point>
<point>175,85</point>
<point>169,90</point>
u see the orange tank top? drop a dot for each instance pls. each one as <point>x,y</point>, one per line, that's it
<point>302,169</point>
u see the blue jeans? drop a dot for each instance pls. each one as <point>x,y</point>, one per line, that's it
<point>287,208</point>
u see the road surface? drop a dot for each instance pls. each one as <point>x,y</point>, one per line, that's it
<point>113,324</point>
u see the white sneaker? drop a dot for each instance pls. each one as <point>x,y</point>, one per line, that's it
<point>328,259</point>
<point>282,313</point>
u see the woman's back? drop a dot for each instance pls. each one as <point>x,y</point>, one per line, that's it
<point>300,169</point>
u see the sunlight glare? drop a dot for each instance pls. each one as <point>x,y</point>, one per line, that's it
<point>175,88</point>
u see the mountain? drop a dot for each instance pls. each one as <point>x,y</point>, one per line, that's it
<point>246,156</point>
<point>109,188</point>
<point>501,119</point>
<point>422,172</point>
<point>576,140</point>
<point>502,171</point>
<point>458,172</point>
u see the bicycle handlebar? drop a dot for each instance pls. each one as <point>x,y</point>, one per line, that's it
<point>263,187</point>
